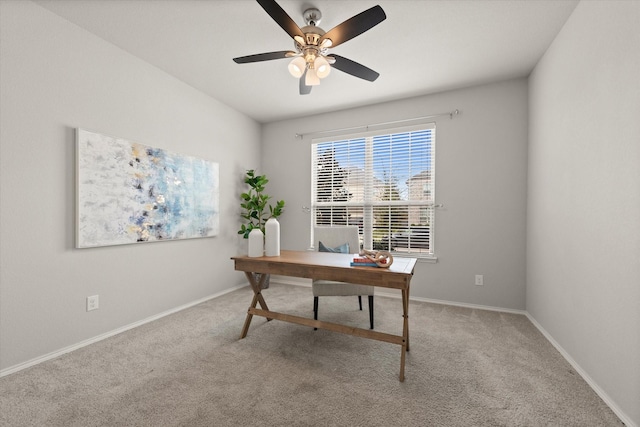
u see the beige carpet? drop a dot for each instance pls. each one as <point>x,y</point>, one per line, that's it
<point>466,367</point>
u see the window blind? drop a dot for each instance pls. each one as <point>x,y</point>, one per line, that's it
<point>383,183</point>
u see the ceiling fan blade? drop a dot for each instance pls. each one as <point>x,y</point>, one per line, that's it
<point>304,89</point>
<point>351,67</point>
<point>354,26</point>
<point>281,17</point>
<point>264,56</point>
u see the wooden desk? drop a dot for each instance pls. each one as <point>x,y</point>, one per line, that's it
<point>329,266</point>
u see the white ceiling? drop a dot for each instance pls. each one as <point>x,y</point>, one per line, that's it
<point>422,47</point>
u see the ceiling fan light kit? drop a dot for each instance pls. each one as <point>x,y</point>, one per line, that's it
<point>322,67</point>
<point>311,78</point>
<point>310,61</point>
<point>297,66</point>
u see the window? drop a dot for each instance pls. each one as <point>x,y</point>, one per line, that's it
<point>382,182</point>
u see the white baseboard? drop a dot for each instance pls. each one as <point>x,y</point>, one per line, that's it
<point>601,393</point>
<point>13,369</point>
<point>466,305</point>
<point>390,294</point>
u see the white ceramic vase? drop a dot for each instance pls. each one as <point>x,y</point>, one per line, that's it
<point>256,243</point>
<point>272,237</point>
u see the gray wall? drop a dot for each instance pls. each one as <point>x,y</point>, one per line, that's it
<point>56,77</point>
<point>480,178</point>
<point>583,237</point>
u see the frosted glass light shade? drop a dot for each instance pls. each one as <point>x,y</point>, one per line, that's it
<point>297,66</point>
<point>311,79</point>
<point>322,67</point>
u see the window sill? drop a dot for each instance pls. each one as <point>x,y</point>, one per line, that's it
<point>421,259</point>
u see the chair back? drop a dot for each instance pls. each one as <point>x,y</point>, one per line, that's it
<point>337,235</point>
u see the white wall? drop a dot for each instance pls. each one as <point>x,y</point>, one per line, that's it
<point>480,178</point>
<point>583,237</point>
<point>56,77</point>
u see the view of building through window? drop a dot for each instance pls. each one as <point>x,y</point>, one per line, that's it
<point>383,183</point>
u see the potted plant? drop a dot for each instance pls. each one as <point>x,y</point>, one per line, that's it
<point>256,209</point>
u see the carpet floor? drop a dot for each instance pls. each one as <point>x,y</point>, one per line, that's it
<point>466,367</point>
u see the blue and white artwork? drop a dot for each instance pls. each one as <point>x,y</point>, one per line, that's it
<point>130,193</point>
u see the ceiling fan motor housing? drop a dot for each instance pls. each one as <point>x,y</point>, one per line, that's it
<point>312,34</point>
<point>310,50</point>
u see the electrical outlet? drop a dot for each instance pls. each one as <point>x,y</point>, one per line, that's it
<point>479,280</point>
<point>92,302</point>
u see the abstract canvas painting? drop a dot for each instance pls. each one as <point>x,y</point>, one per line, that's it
<point>131,193</point>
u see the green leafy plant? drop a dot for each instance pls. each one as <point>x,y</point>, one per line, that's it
<point>256,209</point>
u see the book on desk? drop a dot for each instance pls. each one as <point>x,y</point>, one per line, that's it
<point>360,261</point>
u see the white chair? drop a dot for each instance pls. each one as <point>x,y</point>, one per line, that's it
<point>334,238</point>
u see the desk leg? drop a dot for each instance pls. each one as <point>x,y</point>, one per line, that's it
<point>405,331</point>
<point>405,310</point>
<point>257,299</point>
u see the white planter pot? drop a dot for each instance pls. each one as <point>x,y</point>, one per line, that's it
<point>272,237</point>
<point>256,243</point>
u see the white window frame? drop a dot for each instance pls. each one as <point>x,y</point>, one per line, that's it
<point>368,204</point>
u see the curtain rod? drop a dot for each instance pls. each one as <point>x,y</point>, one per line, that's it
<point>366,127</point>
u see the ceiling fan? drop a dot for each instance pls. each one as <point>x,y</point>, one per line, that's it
<point>311,61</point>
